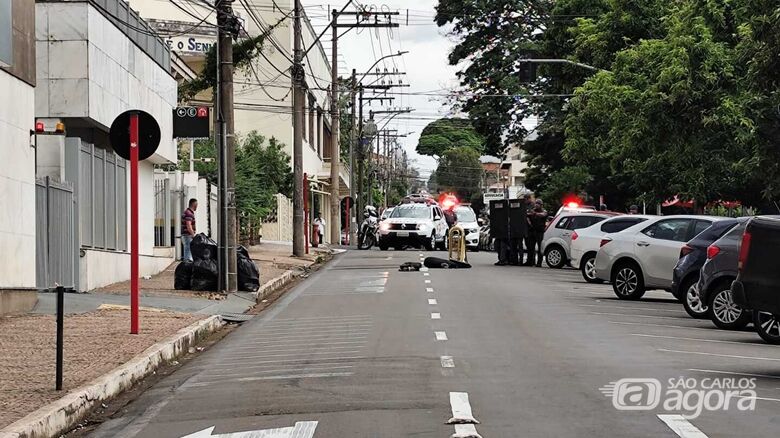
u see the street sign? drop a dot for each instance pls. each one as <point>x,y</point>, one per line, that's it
<point>148,134</point>
<point>134,136</point>
<point>191,122</point>
<point>493,196</point>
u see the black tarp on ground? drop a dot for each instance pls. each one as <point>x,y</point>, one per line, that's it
<point>204,275</point>
<point>248,274</point>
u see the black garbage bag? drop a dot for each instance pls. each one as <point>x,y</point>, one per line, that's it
<point>203,247</point>
<point>248,274</point>
<point>438,263</point>
<point>182,276</point>
<point>204,275</point>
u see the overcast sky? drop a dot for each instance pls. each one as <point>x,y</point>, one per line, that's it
<point>426,66</point>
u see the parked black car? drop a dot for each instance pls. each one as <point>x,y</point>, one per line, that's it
<point>714,288</point>
<point>692,257</point>
<point>758,281</point>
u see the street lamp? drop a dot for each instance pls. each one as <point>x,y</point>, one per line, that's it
<point>377,62</point>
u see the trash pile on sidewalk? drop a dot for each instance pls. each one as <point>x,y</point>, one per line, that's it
<point>201,273</point>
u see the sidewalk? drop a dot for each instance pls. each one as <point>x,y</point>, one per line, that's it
<point>97,342</point>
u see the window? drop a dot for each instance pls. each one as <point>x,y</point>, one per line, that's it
<point>578,222</point>
<point>563,222</point>
<point>618,225</point>
<point>413,212</point>
<point>671,229</point>
<point>700,226</point>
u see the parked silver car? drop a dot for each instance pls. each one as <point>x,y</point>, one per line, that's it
<point>556,245</point>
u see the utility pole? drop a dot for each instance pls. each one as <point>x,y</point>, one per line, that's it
<point>227,29</point>
<point>335,155</point>
<point>361,154</point>
<point>353,210</point>
<point>298,108</point>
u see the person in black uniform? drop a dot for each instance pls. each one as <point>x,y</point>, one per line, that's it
<point>518,230</point>
<point>537,219</point>
<point>499,229</point>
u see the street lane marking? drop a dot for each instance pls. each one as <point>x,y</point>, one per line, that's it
<point>286,370</point>
<point>435,315</point>
<point>426,273</point>
<point>465,431</point>
<point>319,360</point>
<point>302,429</point>
<point>428,289</point>
<point>320,333</point>
<point>733,356</point>
<point>682,427</point>
<point>711,330</point>
<point>731,373</point>
<point>337,318</point>
<point>295,349</point>
<point>447,362</point>
<point>432,301</point>
<point>317,325</point>
<point>422,255</point>
<point>424,269</point>
<point>287,376</point>
<point>287,354</point>
<point>633,308</point>
<point>701,340</point>
<point>636,316</point>
<point>461,409</point>
<point>284,343</point>
<point>440,336</point>
<point>427,281</point>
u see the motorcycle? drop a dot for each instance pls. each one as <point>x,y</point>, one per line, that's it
<point>368,234</point>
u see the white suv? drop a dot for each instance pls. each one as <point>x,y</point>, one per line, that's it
<point>418,225</point>
<point>585,242</point>
<point>643,256</point>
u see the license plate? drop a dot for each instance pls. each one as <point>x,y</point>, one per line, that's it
<point>403,234</point>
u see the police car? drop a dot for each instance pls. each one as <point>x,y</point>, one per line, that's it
<point>414,224</point>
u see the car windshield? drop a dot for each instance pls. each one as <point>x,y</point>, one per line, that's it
<point>465,215</point>
<point>413,212</point>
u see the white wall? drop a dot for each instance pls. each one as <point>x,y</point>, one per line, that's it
<point>88,68</point>
<point>17,183</point>
<point>101,268</point>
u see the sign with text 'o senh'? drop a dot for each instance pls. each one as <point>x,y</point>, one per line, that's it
<point>191,122</point>
<point>148,134</point>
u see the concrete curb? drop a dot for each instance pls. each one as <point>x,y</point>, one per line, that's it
<point>59,416</point>
<point>271,285</point>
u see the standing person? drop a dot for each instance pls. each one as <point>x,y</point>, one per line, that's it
<point>320,223</point>
<point>633,209</point>
<point>538,222</point>
<point>188,228</point>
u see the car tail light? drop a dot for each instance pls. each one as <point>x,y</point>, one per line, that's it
<point>574,236</point>
<point>743,250</point>
<point>685,250</point>
<point>604,241</point>
<point>712,251</point>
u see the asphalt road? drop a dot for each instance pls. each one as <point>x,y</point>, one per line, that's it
<point>362,350</point>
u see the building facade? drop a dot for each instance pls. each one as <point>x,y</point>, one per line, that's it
<point>17,167</point>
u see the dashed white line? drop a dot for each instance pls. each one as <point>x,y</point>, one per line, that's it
<point>440,336</point>
<point>435,315</point>
<point>461,409</point>
<point>682,427</point>
<point>426,273</point>
<point>465,431</point>
<point>447,362</point>
<point>424,269</point>
<point>432,301</point>
<point>427,281</point>
<point>428,289</point>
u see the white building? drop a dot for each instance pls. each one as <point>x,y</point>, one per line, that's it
<point>266,109</point>
<point>17,166</point>
<point>96,60</point>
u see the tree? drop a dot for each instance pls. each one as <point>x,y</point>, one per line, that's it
<point>262,170</point>
<point>448,133</point>
<point>459,171</point>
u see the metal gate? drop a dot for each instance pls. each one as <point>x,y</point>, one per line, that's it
<point>56,256</point>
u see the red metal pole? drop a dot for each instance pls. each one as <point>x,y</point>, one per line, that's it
<point>134,224</point>
<point>349,221</point>
<point>306,211</point>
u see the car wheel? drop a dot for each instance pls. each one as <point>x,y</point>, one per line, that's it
<point>431,243</point>
<point>767,326</point>
<point>692,301</point>
<point>555,257</point>
<point>588,269</point>
<point>627,281</point>
<point>724,312</point>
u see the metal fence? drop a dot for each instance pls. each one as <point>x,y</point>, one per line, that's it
<point>56,252</point>
<point>164,220</point>
<point>102,191</point>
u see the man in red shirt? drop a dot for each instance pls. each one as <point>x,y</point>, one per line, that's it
<point>188,228</point>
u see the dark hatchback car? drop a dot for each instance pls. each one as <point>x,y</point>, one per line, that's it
<point>692,258</point>
<point>758,282</point>
<point>717,274</point>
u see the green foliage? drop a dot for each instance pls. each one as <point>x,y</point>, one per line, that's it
<point>459,171</point>
<point>567,181</point>
<point>448,133</point>
<point>203,149</point>
<point>262,170</point>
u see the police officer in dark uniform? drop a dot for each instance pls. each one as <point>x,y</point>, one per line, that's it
<point>537,219</point>
<point>518,230</point>
<point>499,229</point>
